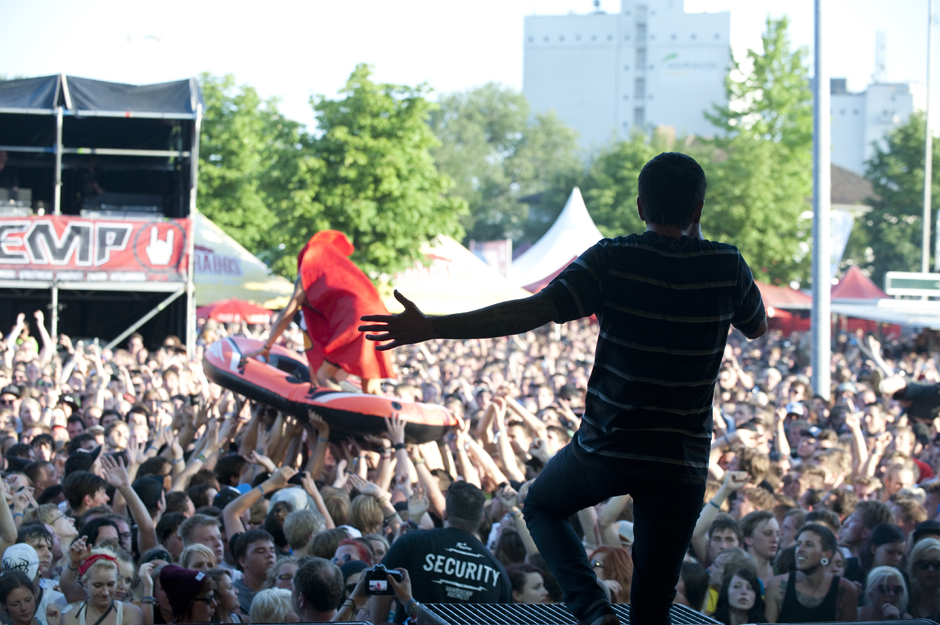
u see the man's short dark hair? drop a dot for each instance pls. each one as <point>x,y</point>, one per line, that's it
<point>168,525</point>
<point>76,443</point>
<point>33,533</point>
<point>751,521</point>
<point>274,522</point>
<point>150,491</point>
<point>32,469</point>
<point>76,419</point>
<point>826,536</point>
<point>724,522</point>
<point>80,483</point>
<point>245,539</point>
<point>465,506</point>
<point>320,582</point>
<point>229,469</point>
<point>177,502</point>
<point>158,466</point>
<point>42,440</point>
<point>670,187</point>
<point>199,494</point>
<point>204,476</point>
<point>92,528</point>
<point>51,494</point>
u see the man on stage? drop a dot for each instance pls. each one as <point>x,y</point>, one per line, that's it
<point>332,293</point>
<point>664,300</point>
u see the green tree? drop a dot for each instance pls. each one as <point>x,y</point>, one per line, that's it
<point>369,173</point>
<point>497,153</point>
<point>246,150</point>
<point>610,188</point>
<point>759,168</point>
<point>889,237</point>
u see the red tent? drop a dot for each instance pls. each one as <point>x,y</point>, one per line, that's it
<point>856,287</point>
<point>785,307</point>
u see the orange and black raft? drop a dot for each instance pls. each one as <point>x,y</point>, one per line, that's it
<point>283,382</point>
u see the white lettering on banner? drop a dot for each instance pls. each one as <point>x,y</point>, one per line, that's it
<point>460,569</point>
<point>215,264</point>
<point>128,276</point>
<point>33,274</point>
<point>7,274</point>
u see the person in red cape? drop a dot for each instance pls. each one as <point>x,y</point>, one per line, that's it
<point>332,293</point>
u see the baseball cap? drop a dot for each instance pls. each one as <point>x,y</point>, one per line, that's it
<point>795,407</point>
<point>11,389</point>
<point>21,557</point>
<point>227,495</point>
<point>296,496</point>
<point>82,460</point>
<point>847,387</point>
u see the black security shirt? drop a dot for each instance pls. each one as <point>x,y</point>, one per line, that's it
<point>448,566</point>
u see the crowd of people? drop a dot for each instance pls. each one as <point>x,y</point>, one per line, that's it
<point>140,492</point>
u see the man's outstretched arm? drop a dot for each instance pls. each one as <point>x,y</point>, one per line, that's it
<point>503,319</point>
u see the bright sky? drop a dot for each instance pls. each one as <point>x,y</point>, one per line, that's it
<point>294,48</point>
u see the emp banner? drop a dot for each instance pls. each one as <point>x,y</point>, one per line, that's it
<point>72,249</point>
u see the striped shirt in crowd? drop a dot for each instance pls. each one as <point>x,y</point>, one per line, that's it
<point>664,306</point>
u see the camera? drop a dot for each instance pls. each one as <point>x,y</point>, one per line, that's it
<point>377,580</point>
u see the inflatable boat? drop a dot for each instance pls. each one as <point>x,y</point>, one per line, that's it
<point>283,382</point>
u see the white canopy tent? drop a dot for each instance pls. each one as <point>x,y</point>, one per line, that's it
<point>572,233</point>
<point>455,280</point>
<point>224,269</point>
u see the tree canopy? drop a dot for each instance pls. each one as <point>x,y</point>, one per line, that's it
<point>759,168</point>
<point>497,153</point>
<point>889,237</point>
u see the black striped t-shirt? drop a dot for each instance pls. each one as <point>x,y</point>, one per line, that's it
<point>664,306</point>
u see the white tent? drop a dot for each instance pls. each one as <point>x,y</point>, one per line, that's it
<point>572,233</point>
<point>455,280</point>
<point>224,269</point>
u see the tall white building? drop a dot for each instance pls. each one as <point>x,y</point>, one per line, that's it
<point>650,64</point>
<point>859,120</point>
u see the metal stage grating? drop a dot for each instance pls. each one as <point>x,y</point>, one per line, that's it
<point>532,614</point>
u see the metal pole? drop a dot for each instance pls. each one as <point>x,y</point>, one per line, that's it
<point>191,270</point>
<point>54,314</point>
<point>821,316</point>
<point>928,155</point>
<point>57,191</point>
<point>150,315</point>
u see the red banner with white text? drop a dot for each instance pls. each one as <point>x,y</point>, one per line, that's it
<point>72,249</point>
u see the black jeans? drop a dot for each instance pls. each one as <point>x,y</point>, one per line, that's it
<point>665,511</point>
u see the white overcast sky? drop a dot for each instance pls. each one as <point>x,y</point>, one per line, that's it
<point>294,48</point>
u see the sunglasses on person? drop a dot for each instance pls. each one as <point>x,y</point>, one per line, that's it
<point>896,591</point>
<point>923,565</point>
<point>596,565</point>
<point>286,577</point>
<point>210,598</point>
<point>343,559</point>
<point>350,587</point>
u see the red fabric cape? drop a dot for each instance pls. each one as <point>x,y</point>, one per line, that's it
<point>338,293</point>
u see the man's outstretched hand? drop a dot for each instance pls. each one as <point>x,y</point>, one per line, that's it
<point>406,328</point>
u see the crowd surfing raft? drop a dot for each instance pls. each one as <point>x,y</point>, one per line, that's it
<point>283,382</point>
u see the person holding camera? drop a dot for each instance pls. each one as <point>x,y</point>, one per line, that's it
<point>447,565</point>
